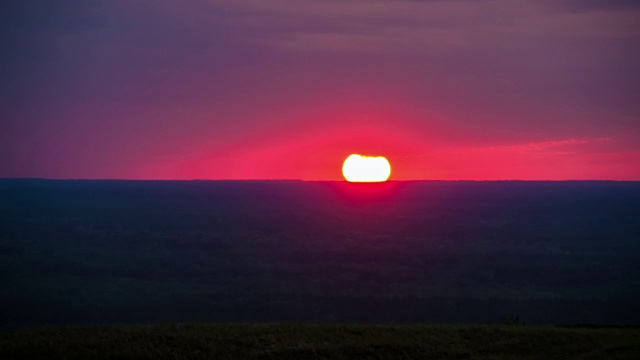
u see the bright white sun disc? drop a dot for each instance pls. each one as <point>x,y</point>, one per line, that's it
<point>361,168</point>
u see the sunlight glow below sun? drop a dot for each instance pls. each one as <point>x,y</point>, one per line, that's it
<point>361,168</point>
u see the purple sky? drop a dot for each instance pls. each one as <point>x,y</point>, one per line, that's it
<point>158,89</point>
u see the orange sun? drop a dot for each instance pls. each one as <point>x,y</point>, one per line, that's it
<point>361,168</point>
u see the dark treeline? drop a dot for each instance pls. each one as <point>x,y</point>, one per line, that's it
<point>257,251</point>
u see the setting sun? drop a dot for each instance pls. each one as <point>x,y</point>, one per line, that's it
<point>361,168</point>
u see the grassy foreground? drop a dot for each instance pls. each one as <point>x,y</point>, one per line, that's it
<point>282,341</point>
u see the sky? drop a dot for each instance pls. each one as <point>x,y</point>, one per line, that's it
<point>287,89</point>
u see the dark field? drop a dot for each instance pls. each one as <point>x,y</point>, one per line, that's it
<point>320,342</point>
<point>289,251</point>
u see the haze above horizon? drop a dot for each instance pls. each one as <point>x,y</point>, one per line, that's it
<point>244,90</point>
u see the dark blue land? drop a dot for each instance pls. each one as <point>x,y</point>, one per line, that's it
<point>258,251</point>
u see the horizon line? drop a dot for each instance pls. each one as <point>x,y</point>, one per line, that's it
<point>319,180</point>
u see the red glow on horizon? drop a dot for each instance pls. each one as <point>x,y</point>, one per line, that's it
<point>318,154</point>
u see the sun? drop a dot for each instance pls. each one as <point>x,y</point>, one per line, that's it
<point>362,168</point>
